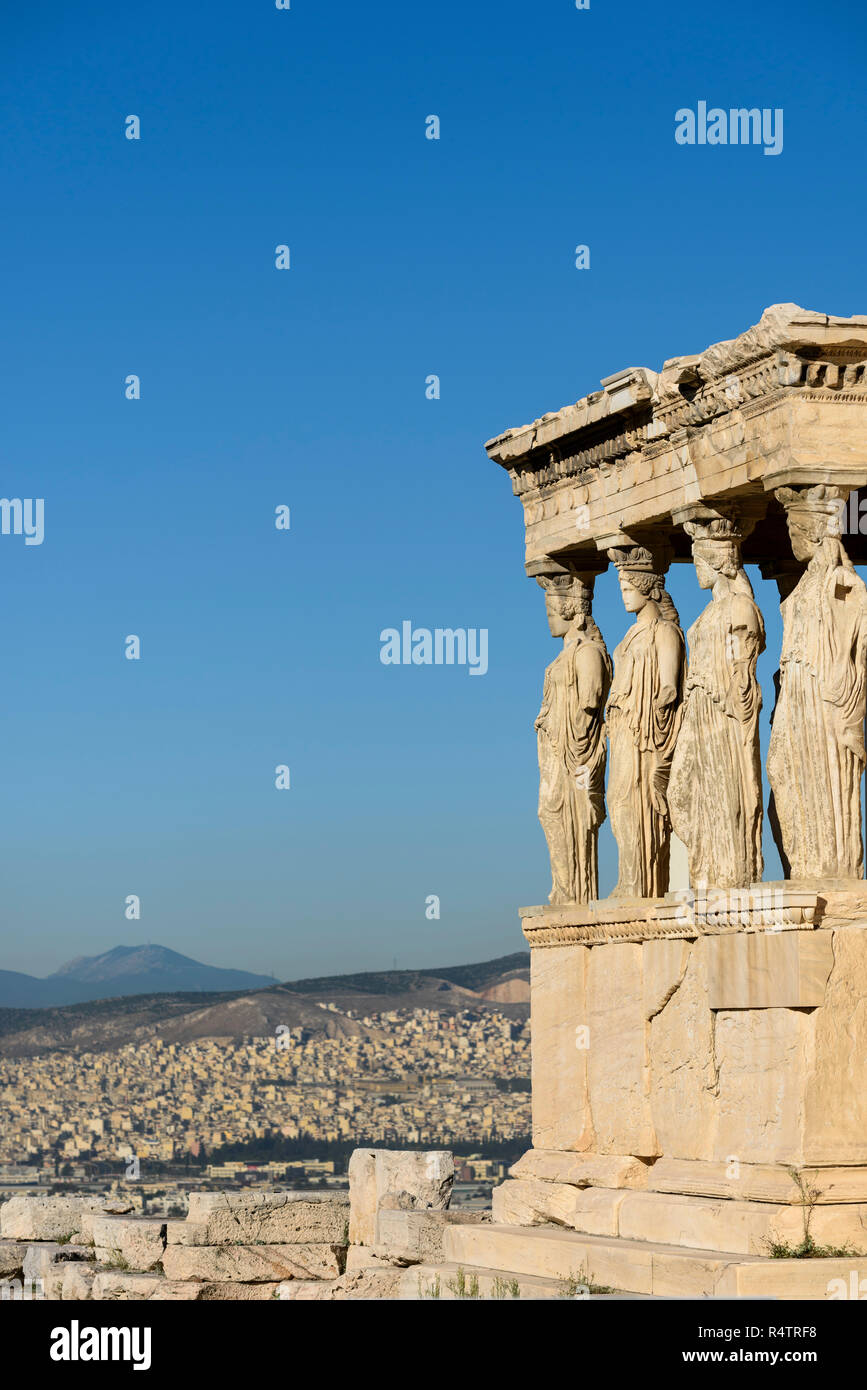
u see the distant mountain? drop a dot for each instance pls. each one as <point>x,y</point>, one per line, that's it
<point>473,978</point>
<point>120,972</point>
<point>103,1024</point>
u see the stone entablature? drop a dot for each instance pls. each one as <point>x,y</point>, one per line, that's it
<point>783,404</point>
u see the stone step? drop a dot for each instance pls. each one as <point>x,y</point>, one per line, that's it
<point>721,1224</point>
<point>647,1267</point>
<point>445,1281</point>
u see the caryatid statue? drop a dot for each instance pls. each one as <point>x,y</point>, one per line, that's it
<point>571,737</point>
<point>816,757</point>
<point>715,788</point>
<point>643,721</point>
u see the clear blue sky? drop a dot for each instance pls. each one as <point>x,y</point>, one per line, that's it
<point>307,387</point>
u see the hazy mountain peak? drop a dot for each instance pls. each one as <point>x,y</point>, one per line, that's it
<point>127,960</point>
<point>123,970</point>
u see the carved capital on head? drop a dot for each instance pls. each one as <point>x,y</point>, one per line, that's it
<point>640,553</point>
<point>570,587</point>
<point>642,566</point>
<point>815,517</point>
<point>716,538</point>
<point>822,504</point>
<point>636,558</point>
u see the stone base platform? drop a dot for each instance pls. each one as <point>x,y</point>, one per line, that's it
<point>649,1268</point>
<point>451,1283</point>
<point>700,1223</point>
<point>740,1181</point>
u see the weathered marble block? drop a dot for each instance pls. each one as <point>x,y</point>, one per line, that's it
<point>26,1217</point>
<point>386,1179</point>
<point>716,1058</point>
<point>248,1218</point>
<point>49,1263</point>
<point>252,1264</point>
<point>12,1254</point>
<point>135,1242</point>
<point>560,1096</point>
<point>122,1286</point>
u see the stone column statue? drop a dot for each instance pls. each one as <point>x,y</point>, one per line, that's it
<point>816,756</point>
<point>643,721</point>
<point>571,738</point>
<point>715,788</point>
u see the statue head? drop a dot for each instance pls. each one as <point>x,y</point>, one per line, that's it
<point>641,582</point>
<point>715,549</point>
<point>634,592</point>
<point>568,600</point>
<point>813,515</point>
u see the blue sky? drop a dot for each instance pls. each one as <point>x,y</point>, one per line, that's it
<point>306,387</point>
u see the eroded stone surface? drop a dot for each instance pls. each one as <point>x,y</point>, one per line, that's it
<point>682,1059</point>
<point>12,1254</point>
<point>582,1169</point>
<point>529,1202</point>
<point>248,1218</point>
<point>413,1236</point>
<point>835,1097</point>
<point>25,1217</point>
<point>760,1057</point>
<point>561,1043</point>
<point>123,1286</point>
<point>136,1242</point>
<point>617,1068</point>
<point>362,1284</point>
<point>250,1264</point>
<point>49,1261</point>
<point>389,1179</point>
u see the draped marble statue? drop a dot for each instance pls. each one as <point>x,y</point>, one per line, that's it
<point>643,720</point>
<point>816,756</point>
<point>715,788</point>
<point>571,738</point>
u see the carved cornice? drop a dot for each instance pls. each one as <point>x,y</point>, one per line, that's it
<point>758,387</point>
<point>702,427</point>
<point>765,907</point>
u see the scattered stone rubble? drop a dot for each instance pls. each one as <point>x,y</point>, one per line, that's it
<point>231,1246</point>
<point>242,1246</point>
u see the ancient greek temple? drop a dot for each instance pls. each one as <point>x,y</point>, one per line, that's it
<point>700,1036</point>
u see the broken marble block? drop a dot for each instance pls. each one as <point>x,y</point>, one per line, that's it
<point>396,1180</point>
<point>128,1242</point>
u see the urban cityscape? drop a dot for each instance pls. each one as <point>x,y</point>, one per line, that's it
<point>161,1117</point>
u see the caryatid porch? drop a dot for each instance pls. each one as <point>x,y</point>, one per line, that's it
<point>704,1044</point>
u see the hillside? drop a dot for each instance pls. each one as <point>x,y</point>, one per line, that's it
<point>107,1024</point>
